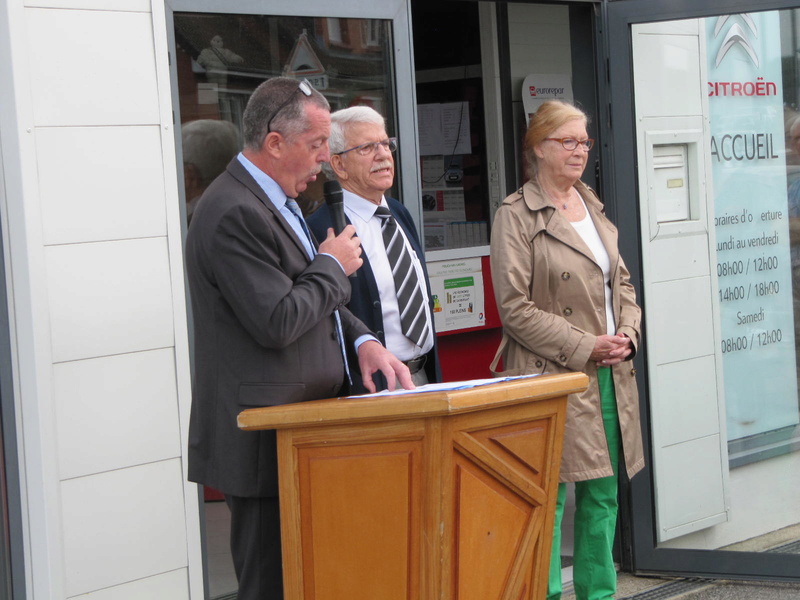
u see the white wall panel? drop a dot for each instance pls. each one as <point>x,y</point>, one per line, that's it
<point>85,197</point>
<point>92,67</point>
<point>685,388</point>
<point>689,476</point>
<point>753,510</point>
<point>88,151</point>
<point>538,42</point>
<point>691,389</point>
<point>109,298</point>
<point>123,525</point>
<point>126,405</point>
<point>679,320</point>
<point>668,93</point>
<point>541,32</point>
<point>170,586</point>
<point>522,65</point>
<point>683,27</point>
<point>117,5</point>
<point>677,258</point>
<point>542,13</point>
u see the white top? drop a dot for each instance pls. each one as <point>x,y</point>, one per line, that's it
<point>588,232</point>
<point>361,213</point>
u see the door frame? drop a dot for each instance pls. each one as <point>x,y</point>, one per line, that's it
<point>619,159</point>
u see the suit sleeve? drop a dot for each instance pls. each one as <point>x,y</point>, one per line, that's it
<point>274,291</point>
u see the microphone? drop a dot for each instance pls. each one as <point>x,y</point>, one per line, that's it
<point>335,202</point>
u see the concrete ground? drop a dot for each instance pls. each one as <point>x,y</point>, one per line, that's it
<point>630,587</point>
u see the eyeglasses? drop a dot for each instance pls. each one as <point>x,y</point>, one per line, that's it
<point>572,143</point>
<point>303,86</point>
<point>389,144</point>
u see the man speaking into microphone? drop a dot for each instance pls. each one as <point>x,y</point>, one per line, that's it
<point>391,291</point>
<point>269,322</point>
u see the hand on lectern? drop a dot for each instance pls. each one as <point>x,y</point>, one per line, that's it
<point>373,357</point>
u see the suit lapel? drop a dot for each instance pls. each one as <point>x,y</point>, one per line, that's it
<point>237,170</point>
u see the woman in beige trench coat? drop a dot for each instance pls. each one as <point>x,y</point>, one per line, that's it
<point>566,304</point>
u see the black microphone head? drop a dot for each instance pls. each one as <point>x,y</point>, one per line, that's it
<point>332,191</point>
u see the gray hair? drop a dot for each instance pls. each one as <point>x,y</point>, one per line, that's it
<point>339,122</point>
<point>267,102</point>
<point>209,145</point>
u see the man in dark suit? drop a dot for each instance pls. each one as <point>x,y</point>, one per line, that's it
<point>361,159</point>
<point>269,316</point>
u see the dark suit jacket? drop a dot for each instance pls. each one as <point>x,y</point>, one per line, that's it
<point>365,302</point>
<point>264,333</point>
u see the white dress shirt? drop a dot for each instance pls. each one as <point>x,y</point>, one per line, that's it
<point>361,213</point>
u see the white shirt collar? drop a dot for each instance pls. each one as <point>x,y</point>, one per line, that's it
<point>361,207</point>
<point>271,188</point>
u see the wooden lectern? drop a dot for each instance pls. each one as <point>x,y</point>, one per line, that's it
<point>438,495</point>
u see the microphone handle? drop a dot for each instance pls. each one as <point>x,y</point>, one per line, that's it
<point>339,223</point>
<point>337,216</point>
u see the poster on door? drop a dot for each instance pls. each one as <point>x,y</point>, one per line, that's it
<point>457,290</point>
<point>752,210</point>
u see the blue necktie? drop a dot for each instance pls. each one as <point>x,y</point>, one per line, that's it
<point>292,205</point>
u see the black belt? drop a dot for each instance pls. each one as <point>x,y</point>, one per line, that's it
<point>415,364</point>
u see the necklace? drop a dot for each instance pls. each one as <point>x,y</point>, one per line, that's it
<point>564,204</point>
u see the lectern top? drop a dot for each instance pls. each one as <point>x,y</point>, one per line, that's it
<point>412,405</point>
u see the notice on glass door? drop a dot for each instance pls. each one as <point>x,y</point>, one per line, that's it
<point>457,291</point>
<point>753,258</point>
<point>444,129</point>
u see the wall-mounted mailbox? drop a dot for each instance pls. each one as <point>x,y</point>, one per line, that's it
<point>671,183</point>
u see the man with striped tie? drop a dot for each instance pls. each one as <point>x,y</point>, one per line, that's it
<point>391,292</point>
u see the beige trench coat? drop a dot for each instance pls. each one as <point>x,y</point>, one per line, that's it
<point>550,296</point>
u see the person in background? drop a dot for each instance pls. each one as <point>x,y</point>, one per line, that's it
<point>268,327</point>
<point>208,147</point>
<point>566,304</point>
<point>389,293</point>
<point>216,60</point>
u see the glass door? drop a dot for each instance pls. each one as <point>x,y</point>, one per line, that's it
<point>705,158</point>
<point>355,53</point>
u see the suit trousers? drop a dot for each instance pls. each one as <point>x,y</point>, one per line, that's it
<point>593,574</point>
<point>256,547</point>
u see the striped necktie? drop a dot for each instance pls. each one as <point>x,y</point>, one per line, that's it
<point>410,298</point>
<point>292,205</point>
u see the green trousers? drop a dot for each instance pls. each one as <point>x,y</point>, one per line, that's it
<point>593,573</point>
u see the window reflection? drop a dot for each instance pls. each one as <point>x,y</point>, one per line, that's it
<point>221,59</point>
<point>753,99</point>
